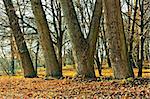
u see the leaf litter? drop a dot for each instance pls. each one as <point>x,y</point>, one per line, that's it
<point>16,88</point>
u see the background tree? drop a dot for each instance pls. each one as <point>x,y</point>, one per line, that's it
<point>22,48</point>
<point>144,8</point>
<point>137,16</point>
<point>53,69</point>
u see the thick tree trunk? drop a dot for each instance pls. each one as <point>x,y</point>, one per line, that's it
<point>52,65</point>
<point>117,41</point>
<point>83,49</point>
<point>59,46</point>
<point>19,38</point>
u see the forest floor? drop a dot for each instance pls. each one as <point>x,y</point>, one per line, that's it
<point>17,87</point>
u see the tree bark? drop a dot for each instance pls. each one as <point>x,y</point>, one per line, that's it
<point>83,48</point>
<point>20,41</point>
<point>105,44</point>
<point>99,64</point>
<point>142,41</point>
<point>147,52</point>
<point>117,40</point>
<point>36,56</point>
<point>52,65</point>
<point>97,59</point>
<point>142,57</point>
<point>12,55</point>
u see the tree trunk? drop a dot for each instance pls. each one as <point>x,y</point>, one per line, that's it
<point>83,49</point>
<point>20,41</point>
<point>105,44</point>
<point>147,51</point>
<point>141,3</point>
<point>12,56</point>
<point>137,54</point>
<point>52,65</point>
<point>36,56</point>
<point>131,61</point>
<point>142,58</point>
<point>59,48</point>
<point>97,59</point>
<point>58,29</point>
<point>99,65</point>
<point>117,40</point>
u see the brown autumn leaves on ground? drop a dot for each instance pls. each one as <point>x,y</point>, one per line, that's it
<point>17,87</point>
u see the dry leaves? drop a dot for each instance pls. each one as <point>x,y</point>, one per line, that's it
<point>11,87</point>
